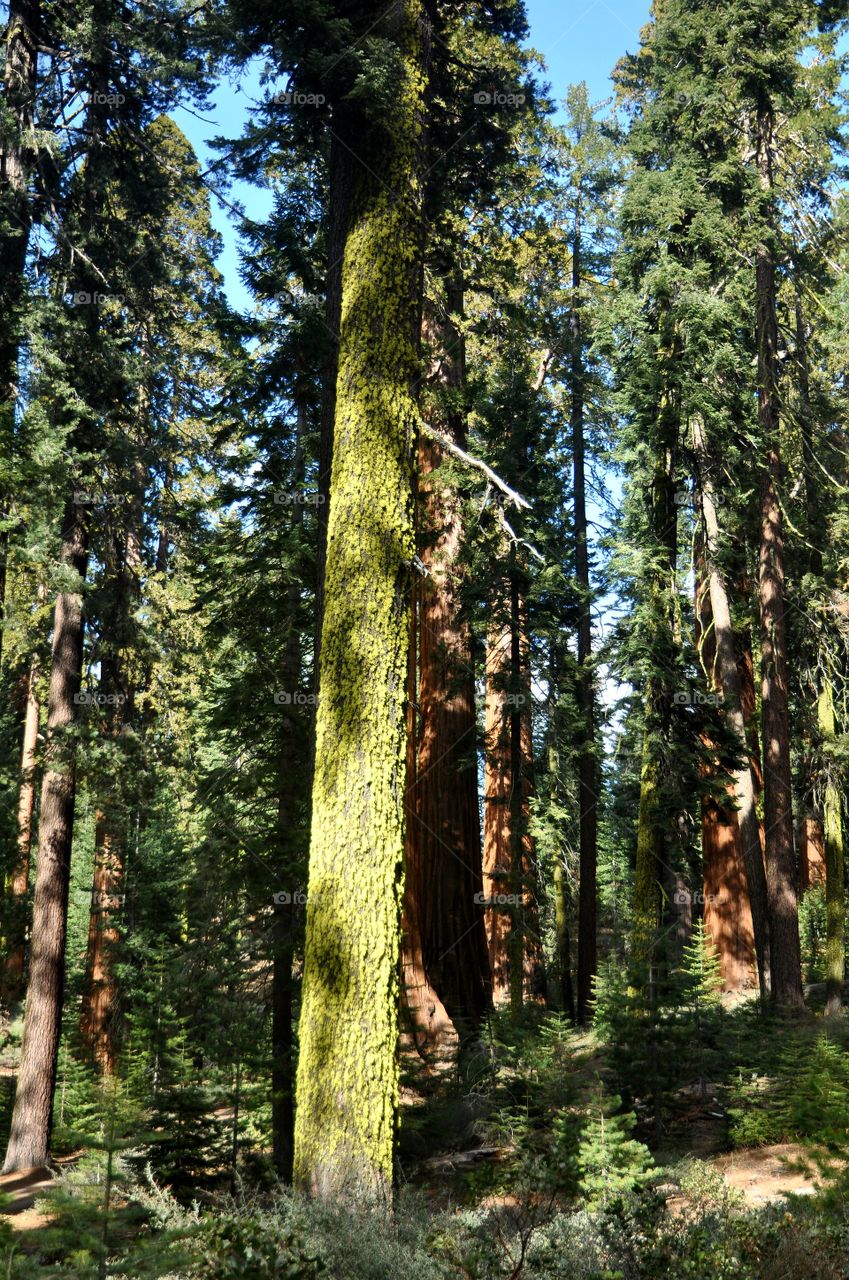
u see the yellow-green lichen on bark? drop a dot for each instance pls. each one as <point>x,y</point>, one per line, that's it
<point>347,1084</point>
<point>833,839</point>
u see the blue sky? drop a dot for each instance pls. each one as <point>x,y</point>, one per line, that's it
<point>579,40</point>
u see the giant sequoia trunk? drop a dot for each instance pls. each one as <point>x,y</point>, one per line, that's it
<point>427,1026</point>
<point>347,1083</point>
<point>20,69</point>
<point>29,1137</point>
<point>18,888</point>
<point>443,843</point>
<point>727,905</point>
<point>785,954</point>
<point>726,672</point>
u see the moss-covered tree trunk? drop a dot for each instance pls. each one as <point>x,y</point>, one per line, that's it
<point>347,1082</point>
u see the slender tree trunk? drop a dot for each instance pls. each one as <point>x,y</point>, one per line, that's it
<point>13,967</point>
<point>563,941</point>
<point>587,764</point>
<point>20,69</point>
<point>830,832</point>
<point>651,864</point>
<point>347,1082</point>
<point>727,677</point>
<point>100,1008</point>
<point>29,1137</point>
<point>99,1013</point>
<point>284,930</point>
<point>497,859</point>
<point>509,868</point>
<point>785,953</point>
<point>834,892</point>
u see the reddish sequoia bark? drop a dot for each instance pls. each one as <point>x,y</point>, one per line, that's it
<point>443,830</point>
<point>811,854</point>
<point>13,968</point>
<point>446,825</point>
<point>509,863</point>
<point>99,1013</point>
<point>727,905</point>
<point>29,1137</point>
<point>426,1026</point>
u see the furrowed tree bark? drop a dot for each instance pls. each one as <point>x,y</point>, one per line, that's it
<point>587,764</point>
<point>20,69</point>
<point>427,1026</point>
<point>29,1138</point>
<point>347,1082</point>
<point>727,906</point>
<point>18,888</point>
<point>785,952</point>
<point>446,878</point>
<point>727,675</point>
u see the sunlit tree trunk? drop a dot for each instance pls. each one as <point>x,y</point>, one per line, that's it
<point>347,1080</point>
<point>726,674</point>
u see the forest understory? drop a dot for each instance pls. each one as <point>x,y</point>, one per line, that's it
<point>424,640</point>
